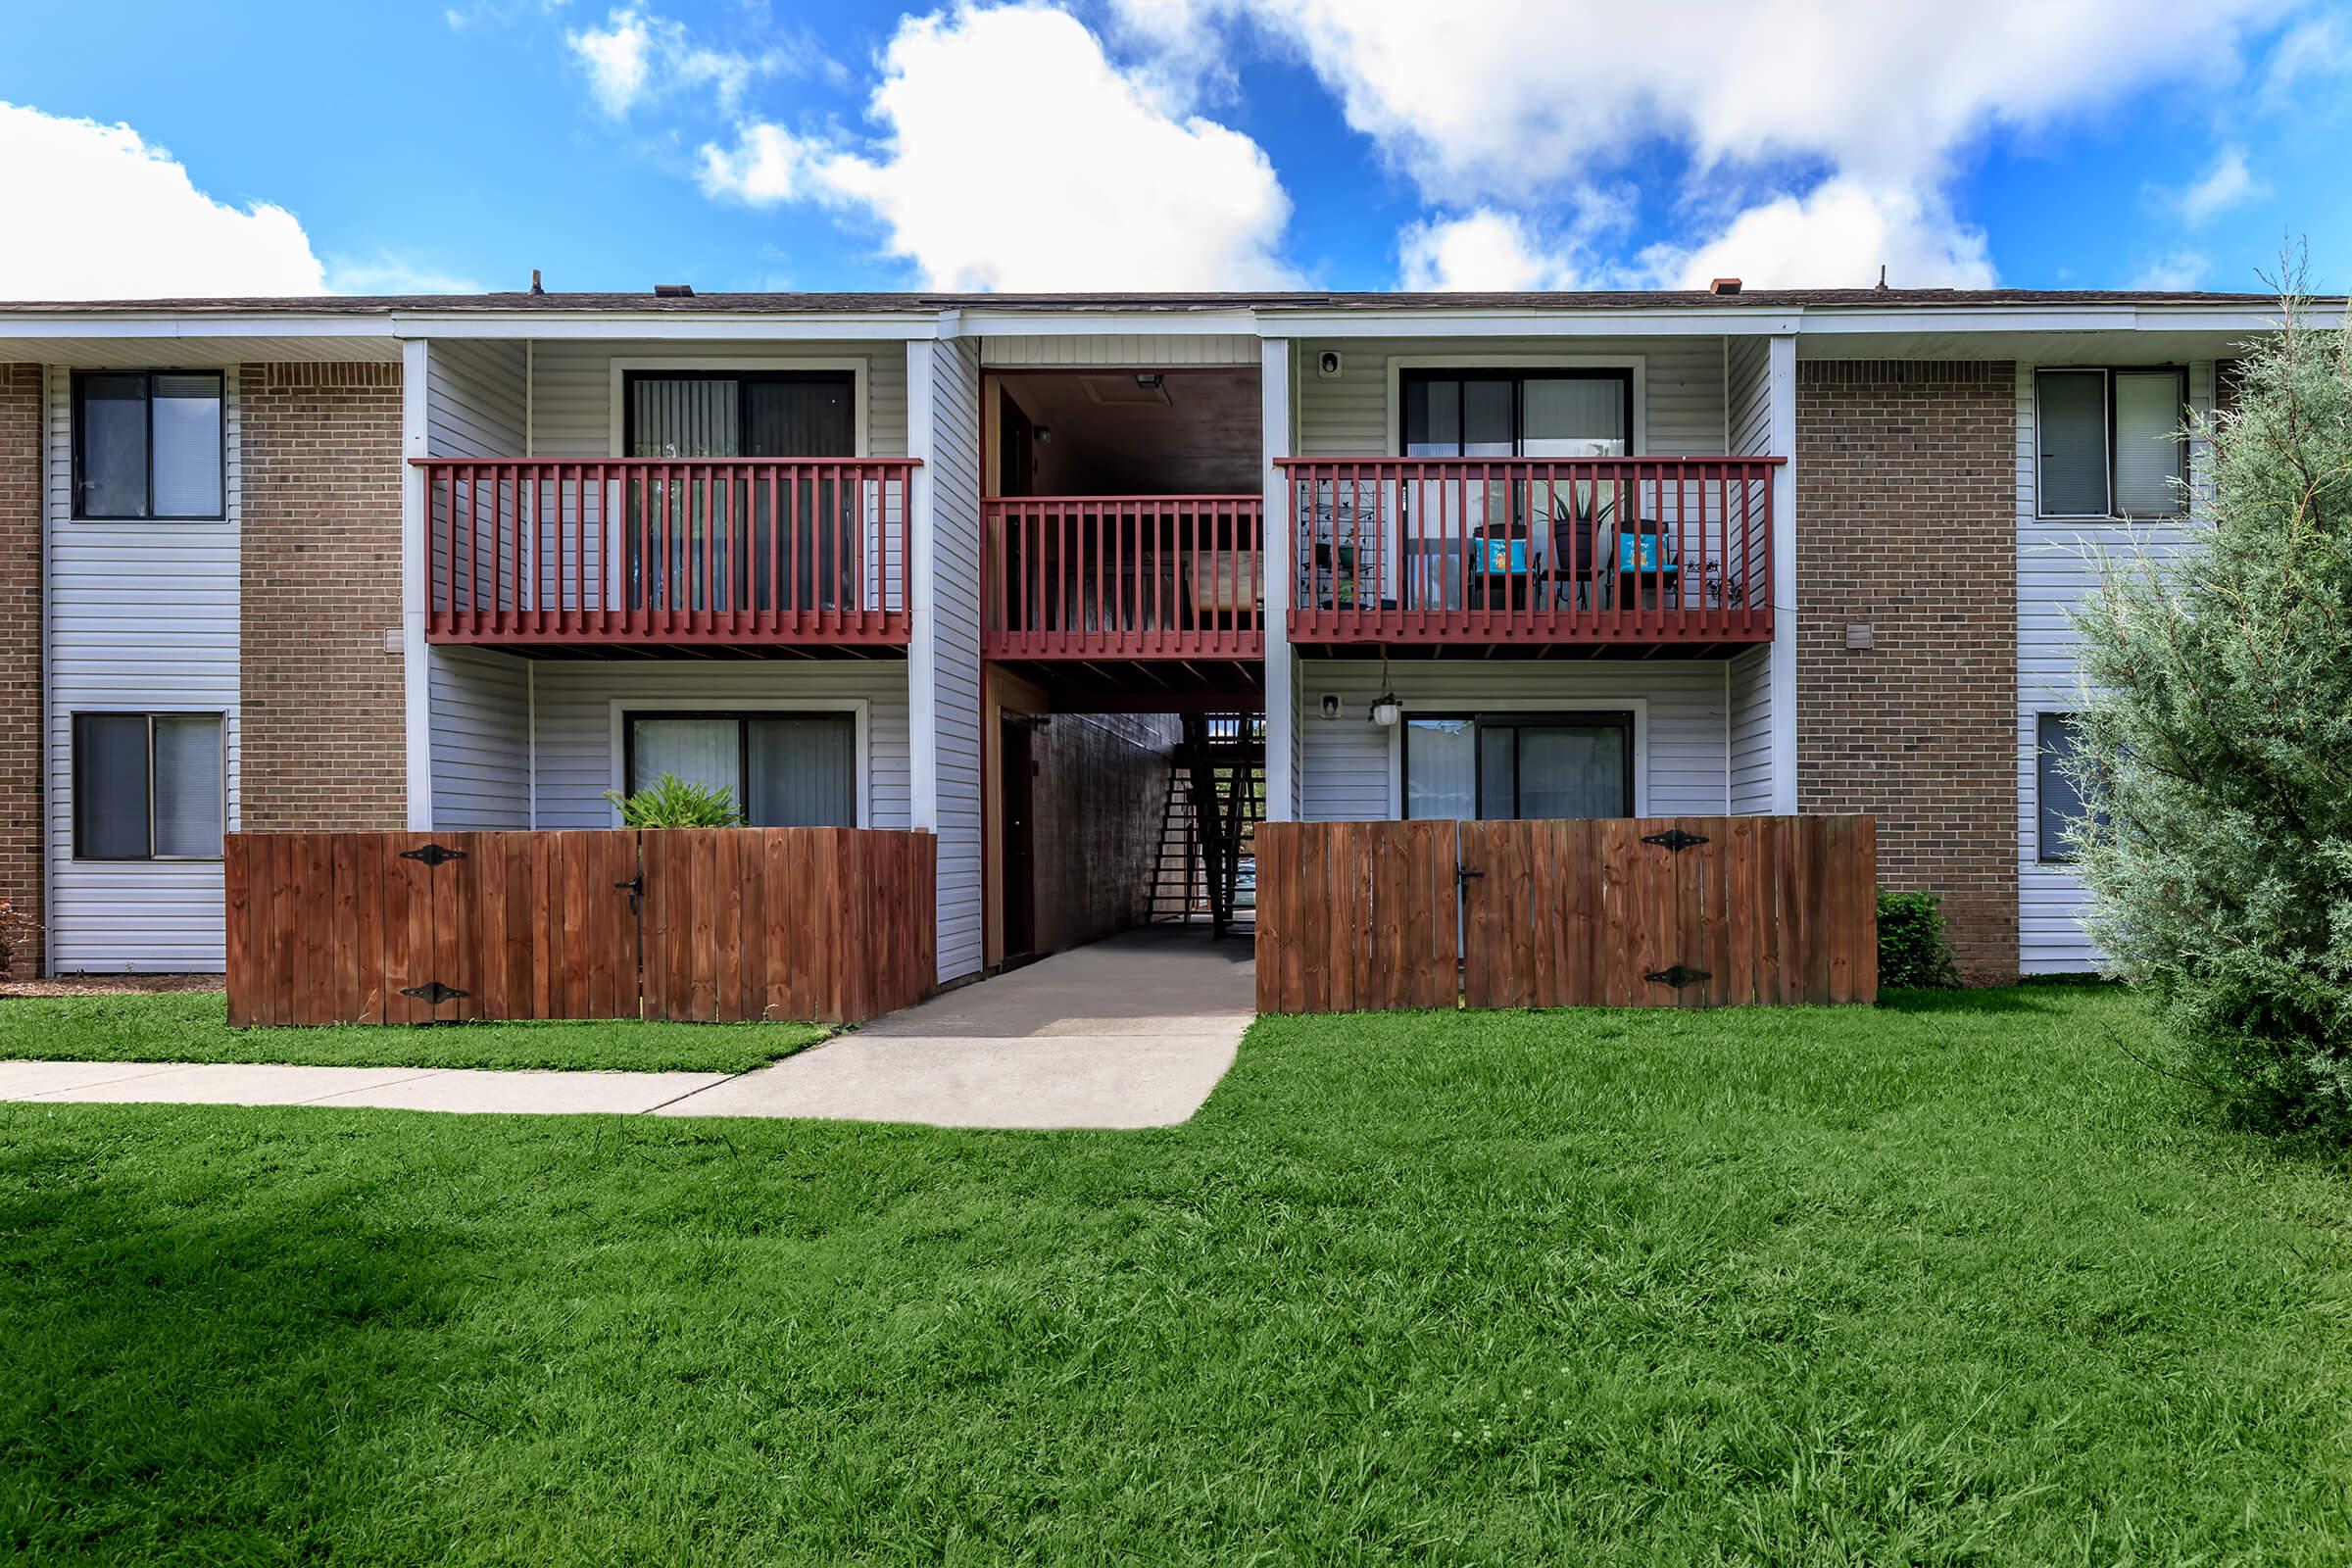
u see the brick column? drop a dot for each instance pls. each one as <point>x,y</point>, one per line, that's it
<point>322,707</point>
<point>20,652</point>
<point>1906,479</point>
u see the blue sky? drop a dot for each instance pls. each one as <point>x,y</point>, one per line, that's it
<point>276,147</point>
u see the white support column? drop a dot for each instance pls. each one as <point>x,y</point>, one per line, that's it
<point>943,660</point>
<point>923,637</point>
<point>1282,685</point>
<point>415,573</point>
<point>1785,520</point>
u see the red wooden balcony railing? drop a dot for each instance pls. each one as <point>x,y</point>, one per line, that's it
<point>1124,577</point>
<point>1596,550</point>
<point>649,550</point>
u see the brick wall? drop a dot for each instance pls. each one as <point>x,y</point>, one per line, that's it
<point>321,705</point>
<point>1906,493</point>
<point>21,653</point>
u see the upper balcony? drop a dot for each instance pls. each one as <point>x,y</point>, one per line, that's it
<point>1624,556</point>
<point>1123,533</point>
<point>1103,577</point>
<point>737,555</point>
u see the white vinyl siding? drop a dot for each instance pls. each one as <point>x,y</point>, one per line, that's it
<point>577,756</point>
<point>142,618</point>
<point>481,757</point>
<point>1349,415</point>
<point>2057,563</point>
<point>1750,678</point>
<point>1120,351</point>
<point>1348,766</point>
<point>955,469</point>
<point>1748,390</point>
<point>474,400</point>
<point>572,416</point>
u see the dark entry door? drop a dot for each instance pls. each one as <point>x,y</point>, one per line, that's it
<point>1016,801</point>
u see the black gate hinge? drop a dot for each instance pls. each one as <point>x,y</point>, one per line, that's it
<point>1676,976</point>
<point>432,993</point>
<point>434,853</point>
<point>1675,838</point>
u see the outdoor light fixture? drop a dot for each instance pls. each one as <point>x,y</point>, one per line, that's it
<point>1331,700</point>
<point>1149,381</point>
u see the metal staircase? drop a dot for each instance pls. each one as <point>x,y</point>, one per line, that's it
<point>1221,765</point>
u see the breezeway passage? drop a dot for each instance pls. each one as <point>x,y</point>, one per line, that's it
<point>1131,1032</point>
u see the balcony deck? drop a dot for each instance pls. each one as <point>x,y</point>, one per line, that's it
<point>1603,556</point>
<point>746,557</point>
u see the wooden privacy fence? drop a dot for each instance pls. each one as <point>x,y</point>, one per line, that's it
<point>1691,911</point>
<point>713,925</point>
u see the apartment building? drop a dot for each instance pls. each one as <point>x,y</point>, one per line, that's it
<point>968,564</point>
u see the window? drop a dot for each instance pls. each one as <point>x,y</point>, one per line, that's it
<point>1514,413</point>
<point>148,444</point>
<point>148,787</point>
<point>748,413</point>
<point>1503,767</point>
<point>2109,442</point>
<point>784,770</point>
<point>2060,803</point>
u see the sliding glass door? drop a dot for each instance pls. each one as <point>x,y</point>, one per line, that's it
<point>1500,767</point>
<point>795,549</point>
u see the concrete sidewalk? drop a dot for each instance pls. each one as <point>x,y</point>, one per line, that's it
<point>1132,1032</point>
<point>397,1088</point>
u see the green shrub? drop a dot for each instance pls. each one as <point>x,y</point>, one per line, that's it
<point>2214,750</point>
<point>672,802</point>
<point>1912,949</point>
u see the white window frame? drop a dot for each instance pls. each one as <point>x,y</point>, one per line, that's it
<point>74,717</point>
<point>75,435</point>
<point>1637,706</point>
<point>1393,438</point>
<point>2107,374</point>
<point>859,368</point>
<point>656,705</point>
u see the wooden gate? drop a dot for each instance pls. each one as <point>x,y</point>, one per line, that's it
<point>721,925</point>
<point>1680,911</point>
<point>825,923</point>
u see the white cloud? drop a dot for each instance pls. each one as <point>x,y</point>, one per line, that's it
<point>637,56</point>
<point>1483,250</point>
<point>2317,51</point>
<point>387,272</point>
<point>1837,236</point>
<point>121,220</point>
<point>2177,269</point>
<point>1015,156</point>
<point>2222,186</point>
<point>1500,97</point>
<point>1501,101</point>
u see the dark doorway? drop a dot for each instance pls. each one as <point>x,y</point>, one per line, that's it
<point>1016,782</point>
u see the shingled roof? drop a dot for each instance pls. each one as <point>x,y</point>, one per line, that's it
<point>916,304</point>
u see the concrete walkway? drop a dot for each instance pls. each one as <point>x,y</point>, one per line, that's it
<point>396,1088</point>
<point>1132,1032</point>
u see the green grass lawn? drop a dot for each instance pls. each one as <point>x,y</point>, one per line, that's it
<point>193,1026</point>
<point>1947,1281</point>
